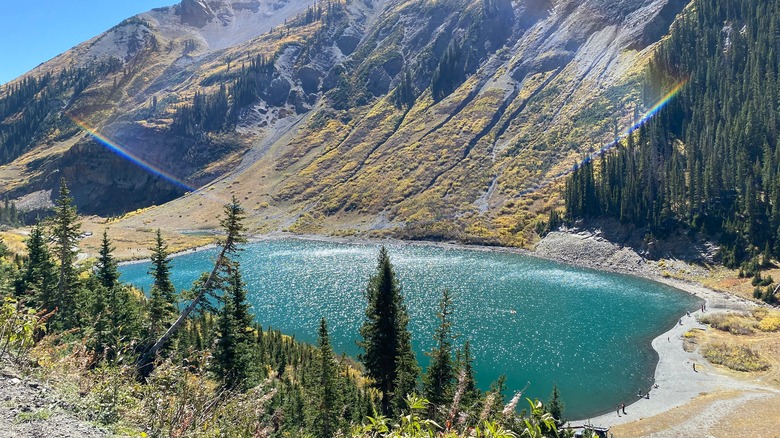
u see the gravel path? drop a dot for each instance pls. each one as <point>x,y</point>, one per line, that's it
<point>678,382</point>
<point>29,409</point>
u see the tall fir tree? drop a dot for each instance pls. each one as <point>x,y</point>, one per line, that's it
<point>107,271</point>
<point>386,340</point>
<point>39,280</point>
<point>438,379</point>
<point>65,230</point>
<point>327,406</point>
<point>162,296</point>
<point>116,310</point>
<point>235,356</point>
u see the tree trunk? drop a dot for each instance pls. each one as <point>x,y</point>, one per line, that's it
<point>146,360</point>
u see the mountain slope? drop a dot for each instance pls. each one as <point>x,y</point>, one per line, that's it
<point>448,118</point>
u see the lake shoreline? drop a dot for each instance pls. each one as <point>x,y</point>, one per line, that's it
<point>589,251</point>
<point>674,367</point>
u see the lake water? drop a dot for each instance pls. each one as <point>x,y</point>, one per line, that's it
<point>532,320</point>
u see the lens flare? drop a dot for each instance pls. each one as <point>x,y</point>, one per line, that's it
<point>122,152</point>
<point>628,131</point>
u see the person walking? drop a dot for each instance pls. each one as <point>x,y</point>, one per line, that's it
<point>623,406</point>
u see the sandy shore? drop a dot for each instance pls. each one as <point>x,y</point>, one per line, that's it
<point>677,379</point>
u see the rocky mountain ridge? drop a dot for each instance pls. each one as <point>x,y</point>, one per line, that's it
<point>448,118</point>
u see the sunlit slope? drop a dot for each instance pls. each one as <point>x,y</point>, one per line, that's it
<point>447,119</point>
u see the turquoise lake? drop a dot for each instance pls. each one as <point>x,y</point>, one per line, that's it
<point>532,320</point>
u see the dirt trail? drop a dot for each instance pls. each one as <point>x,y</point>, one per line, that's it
<point>30,409</point>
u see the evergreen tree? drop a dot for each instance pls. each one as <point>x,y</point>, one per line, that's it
<point>162,296</point>
<point>107,271</point>
<point>407,369</point>
<point>555,407</point>
<point>708,159</point>
<point>387,356</point>
<point>327,406</point>
<point>65,230</point>
<point>234,228</point>
<point>235,357</point>
<point>117,316</point>
<point>38,281</point>
<point>437,382</point>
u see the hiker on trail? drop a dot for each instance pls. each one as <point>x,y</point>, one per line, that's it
<point>688,312</point>
<point>618,411</point>
<point>694,367</point>
<point>680,321</point>
<point>623,406</point>
<point>639,394</point>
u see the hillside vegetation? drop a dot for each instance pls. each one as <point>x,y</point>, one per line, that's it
<point>708,161</point>
<point>439,120</point>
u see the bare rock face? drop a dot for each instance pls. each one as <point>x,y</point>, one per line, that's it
<point>310,79</point>
<point>278,92</point>
<point>196,13</point>
<point>378,82</point>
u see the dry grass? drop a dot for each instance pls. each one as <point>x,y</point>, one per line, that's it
<point>14,240</point>
<point>691,339</point>
<point>746,342</point>
<point>734,356</point>
<point>760,319</point>
<point>734,323</point>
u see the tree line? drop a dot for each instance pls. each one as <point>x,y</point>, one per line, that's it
<point>26,105</point>
<point>709,160</point>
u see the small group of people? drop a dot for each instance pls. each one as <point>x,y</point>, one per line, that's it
<point>703,307</point>
<point>623,407</point>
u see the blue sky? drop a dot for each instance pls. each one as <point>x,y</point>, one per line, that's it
<point>34,31</point>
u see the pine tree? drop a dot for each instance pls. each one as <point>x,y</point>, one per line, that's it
<point>386,339</point>
<point>327,411</point>
<point>407,369</point>
<point>115,309</point>
<point>38,282</point>
<point>555,406</point>
<point>234,228</point>
<point>117,318</point>
<point>227,343</point>
<point>107,271</point>
<point>235,356</point>
<point>64,228</point>
<point>162,296</point>
<point>437,382</point>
